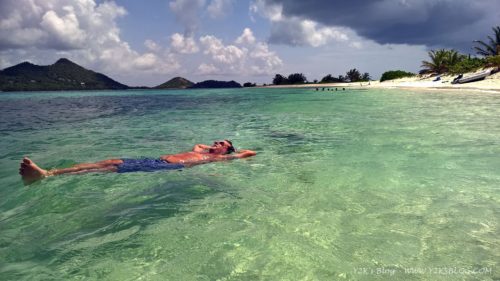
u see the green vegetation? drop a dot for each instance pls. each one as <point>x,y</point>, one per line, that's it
<point>493,61</point>
<point>440,61</point>
<point>354,75</point>
<point>395,74</point>
<point>249,84</point>
<point>450,61</point>
<point>214,84</point>
<point>280,80</point>
<point>466,64</point>
<point>176,83</point>
<point>330,79</point>
<point>295,78</point>
<point>63,75</point>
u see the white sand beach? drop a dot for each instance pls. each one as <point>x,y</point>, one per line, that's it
<point>490,83</point>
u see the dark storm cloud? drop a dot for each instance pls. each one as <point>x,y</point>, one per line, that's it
<point>447,23</point>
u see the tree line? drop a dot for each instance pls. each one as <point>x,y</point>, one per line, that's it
<point>353,75</point>
<point>441,61</point>
<point>451,61</point>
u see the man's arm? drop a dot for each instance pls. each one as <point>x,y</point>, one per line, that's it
<point>240,154</point>
<point>201,148</point>
<point>244,153</point>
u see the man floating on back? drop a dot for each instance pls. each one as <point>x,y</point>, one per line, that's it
<point>200,154</point>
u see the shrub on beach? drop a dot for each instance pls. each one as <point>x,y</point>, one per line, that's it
<point>330,79</point>
<point>493,61</point>
<point>294,78</point>
<point>297,78</point>
<point>466,64</point>
<point>249,84</point>
<point>395,74</point>
<point>280,80</point>
<point>450,61</point>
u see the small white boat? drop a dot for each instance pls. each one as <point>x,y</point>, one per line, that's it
<point>473,78</point>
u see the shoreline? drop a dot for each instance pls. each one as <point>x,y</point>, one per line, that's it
<point>489,84</point>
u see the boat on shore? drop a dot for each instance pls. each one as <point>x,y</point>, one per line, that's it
<point>472,78</point>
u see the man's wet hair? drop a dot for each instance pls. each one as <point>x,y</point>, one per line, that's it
<point>231,148</point>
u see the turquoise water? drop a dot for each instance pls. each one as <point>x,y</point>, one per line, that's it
<point>354,185</point>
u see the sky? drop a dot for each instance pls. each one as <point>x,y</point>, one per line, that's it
<point>145,43</point>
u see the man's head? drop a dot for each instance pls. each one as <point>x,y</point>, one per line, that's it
<point>222,147</point>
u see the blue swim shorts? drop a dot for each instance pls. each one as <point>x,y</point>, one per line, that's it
<point>146,165</point>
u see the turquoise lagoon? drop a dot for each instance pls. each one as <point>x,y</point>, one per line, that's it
<point>354,185</point>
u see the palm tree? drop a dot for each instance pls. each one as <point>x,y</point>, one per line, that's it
<point>353,75</point>
<point>452,58</point>
<point>492,48</point>
<point>366,77</point>
<point>437,63</point>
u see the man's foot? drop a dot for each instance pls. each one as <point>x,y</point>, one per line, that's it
<point>31,172</point>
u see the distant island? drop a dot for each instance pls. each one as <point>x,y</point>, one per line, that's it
<point>65,75</point>
<point>176,83</point>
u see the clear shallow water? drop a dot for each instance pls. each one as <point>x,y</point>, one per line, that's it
<point>355,185</point>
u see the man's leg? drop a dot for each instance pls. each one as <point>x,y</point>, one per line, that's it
<point>109,162</point>
<point>32,172</point>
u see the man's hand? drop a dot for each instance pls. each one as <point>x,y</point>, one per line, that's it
<point>245,153</point>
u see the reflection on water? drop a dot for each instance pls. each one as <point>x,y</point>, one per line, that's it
<point>354,185</point>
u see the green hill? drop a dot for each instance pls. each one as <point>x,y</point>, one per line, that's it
<point>62,75</point>
<point>176,83</point>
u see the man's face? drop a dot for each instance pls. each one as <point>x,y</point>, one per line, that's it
<point>220,147</point>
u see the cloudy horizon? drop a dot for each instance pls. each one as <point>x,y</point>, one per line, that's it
<point>238,40</point>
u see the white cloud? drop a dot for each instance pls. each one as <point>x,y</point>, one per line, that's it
<point>87,32</point>
<point>316,37</point>
<point>265,61</point>
<point>219,8</point>
<point>272,12</point>
<point>224,54</point>
<point>187,13</point>
<point>152,45</point>
<point>296,31</point>
<point>208,69</point>
<point>81,30</point>
<point>356,45</point>
<point>65,29</point>
<point>183,45</point>
<point>246,37</point>
<point>146,61</point>
<point>255,59</point>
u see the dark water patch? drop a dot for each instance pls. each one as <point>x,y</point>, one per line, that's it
<point>36,114</point>
<point>287,136</point>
